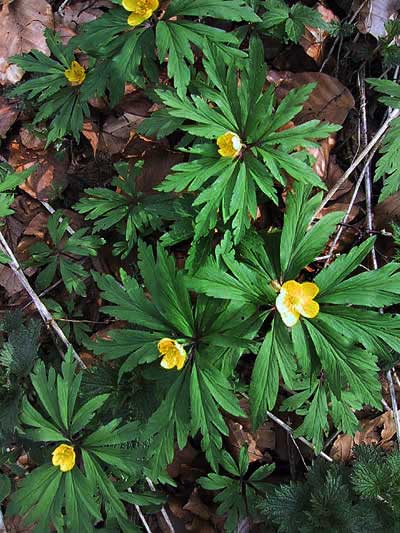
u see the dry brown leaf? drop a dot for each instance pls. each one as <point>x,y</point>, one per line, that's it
<point>314,39</point>
<point>330,101</point>
<point>241,433</point>
<point>67,23</point>
<point>49,178</point>
<point>158,162</point>
<point>342,448</point>
<point>120,127</point>
<point>197,507</point>
<point>378,431</point>
<point>374,14</point>
<point>8,115</point>
<point>30,140</point>
<point>91,132</point>
<point>387,212</point>
<point>22,26</point>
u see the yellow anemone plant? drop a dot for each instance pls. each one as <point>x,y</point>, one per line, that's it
<point>172,353</point>
<point>64,457</point>
<point>75,74</point>
<point>295,300</point>
<point>229,144</point>
<point>141,10</point>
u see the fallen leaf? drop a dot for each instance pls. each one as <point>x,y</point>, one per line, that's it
<point>378,431</point>
<point>387,212</point>
<point>374,14</point>
<point>330,101</point>
<point>342,448</point>
<point>197,507</point>
<point>241,433</point>
<point>22,26</point>
<point>314,39</point>
<point>49,178</point>
<point>8,115</point>
<point>91,132</point>
<point>120,126</point>
<point>30,140</point>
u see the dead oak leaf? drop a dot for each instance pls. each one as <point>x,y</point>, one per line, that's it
<point>314,39</point>
<point>330,101</point>
<point>22,26</point>
<point>49,177</point>
<point>8,115</point>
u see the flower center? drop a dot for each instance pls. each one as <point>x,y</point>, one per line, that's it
<point>141,7</point>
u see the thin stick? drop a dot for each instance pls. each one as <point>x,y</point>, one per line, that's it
<point>142,518</point>
<point>2,524</point>
<point>351,203</point>
<point>163,511</point>
<point>51,210</point>
<point>287,428</point>
<point>41,308</point>
<point>370,146</point>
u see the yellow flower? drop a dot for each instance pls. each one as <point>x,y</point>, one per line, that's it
<point>173,354</point>
<point>75,74</point>
<point>141,10</point>
<point>64,457</point>
<point>297,299</point>
<point>229,144</point>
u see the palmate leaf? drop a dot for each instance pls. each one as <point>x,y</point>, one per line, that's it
<point>134,51</point>
<point>61,255</point>
<point>289,23</point>
<point>131,212</point>
<point>228,186</point>
<point>65,104</point>
<point>341,344</point>
<point>71,498</point>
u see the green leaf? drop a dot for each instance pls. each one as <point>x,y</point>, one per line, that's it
<point>5,487</point>
<point>85,414</point>
<point>315,424</point>
<point>342,267</point>
<point>236,10</point>
<point>273,358</point>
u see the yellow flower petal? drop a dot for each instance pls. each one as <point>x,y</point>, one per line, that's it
<point>291,287</point>
<point>135,19</point>
<point>229,144</point>
<point>310,290</point>
<point>309,309</point>
<point>75,74</point>
<point>172,352</point>
<point>168,361</point>
<point>295,300</point>
<point>64,457</point>
<point>165,344</point>
<point>130,5</point>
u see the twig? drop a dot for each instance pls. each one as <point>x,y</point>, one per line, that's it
<point>142,518</point>
<point>42,309</point>
<point>51,210</point>
<point>370,146</point>
<point>2,524</point>
<point>287,428</point>
<point>350,206</point>
<point>163,511</point>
